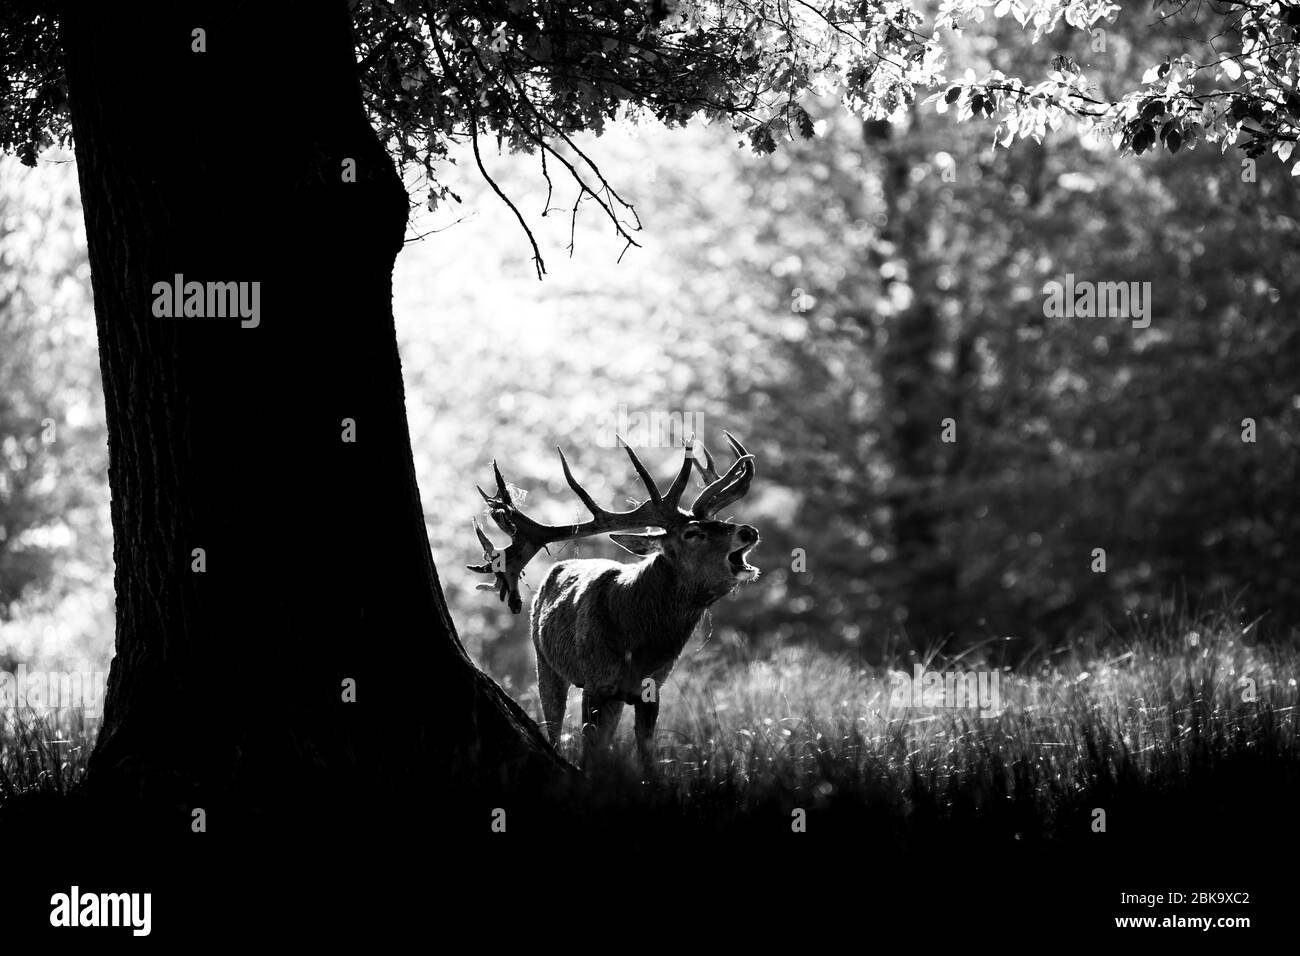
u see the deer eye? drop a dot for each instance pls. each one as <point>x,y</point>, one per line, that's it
<point>693,534</point>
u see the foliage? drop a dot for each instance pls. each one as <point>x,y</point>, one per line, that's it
<point>53,506</point>
<point>533,74</point>
<point>921,255</point>
<point>536,74</point>
<point>924,254</point>
<point>1230,78</point>
<point>33,89</point>
<point>926,289</point>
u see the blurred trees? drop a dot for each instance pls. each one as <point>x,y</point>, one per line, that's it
<point>55,551</point>
<point>920,253</point>
<point>924,254</point>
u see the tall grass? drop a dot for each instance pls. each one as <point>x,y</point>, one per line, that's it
<point>1171,723</point>
<point>43,753</point>
<point>1119,767</point>
<point>1179,720</point>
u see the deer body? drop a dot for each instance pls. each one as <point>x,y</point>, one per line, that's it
<point>607,626</point>
<point>616,630</point>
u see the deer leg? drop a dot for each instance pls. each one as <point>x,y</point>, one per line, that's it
<point>600,714</point>
<point>647,713</point>
<point>590,722</point>
<point>553,690</point>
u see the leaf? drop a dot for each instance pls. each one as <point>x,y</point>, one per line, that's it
<point>761,140</point>
<point>952,94</point>
<point>1144,138</point>
<point>804,123</point>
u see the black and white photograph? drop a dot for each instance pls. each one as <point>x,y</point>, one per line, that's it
<point>735,473</point>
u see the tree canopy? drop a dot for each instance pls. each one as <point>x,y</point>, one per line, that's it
<point>530,74</point>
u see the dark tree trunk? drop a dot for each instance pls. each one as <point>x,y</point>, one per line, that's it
<point>226,165</point>
<point>916,397</point>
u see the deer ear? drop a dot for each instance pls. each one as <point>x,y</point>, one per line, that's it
<point>642,544</point>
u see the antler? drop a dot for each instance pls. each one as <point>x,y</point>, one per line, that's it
<point>725,489</point>
<point>529,536</point>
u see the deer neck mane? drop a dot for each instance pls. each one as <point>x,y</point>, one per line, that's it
<point>670,603</point>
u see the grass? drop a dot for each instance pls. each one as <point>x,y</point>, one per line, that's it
<point>1187,720</point>
<point>908,809</point>
<point>43,754</point>
<point>1143,729</point>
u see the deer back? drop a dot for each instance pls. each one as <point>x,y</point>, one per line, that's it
<point>607,625</point>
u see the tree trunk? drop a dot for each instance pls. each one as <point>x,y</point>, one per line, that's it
<point>916,399</point>
<point>228,684</point>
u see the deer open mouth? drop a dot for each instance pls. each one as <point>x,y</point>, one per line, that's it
<point>740,568</point>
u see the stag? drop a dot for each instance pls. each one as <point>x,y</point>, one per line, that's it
<point>615,630</point>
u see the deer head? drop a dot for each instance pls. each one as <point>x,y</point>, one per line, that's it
<point>707,553</point>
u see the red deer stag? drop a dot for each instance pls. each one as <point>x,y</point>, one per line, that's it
<point>615,630</point>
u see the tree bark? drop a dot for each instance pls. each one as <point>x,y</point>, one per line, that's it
<point>227,166</point>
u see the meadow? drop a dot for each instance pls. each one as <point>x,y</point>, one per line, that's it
<point>1165,761</point>
<point>801,728</point>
